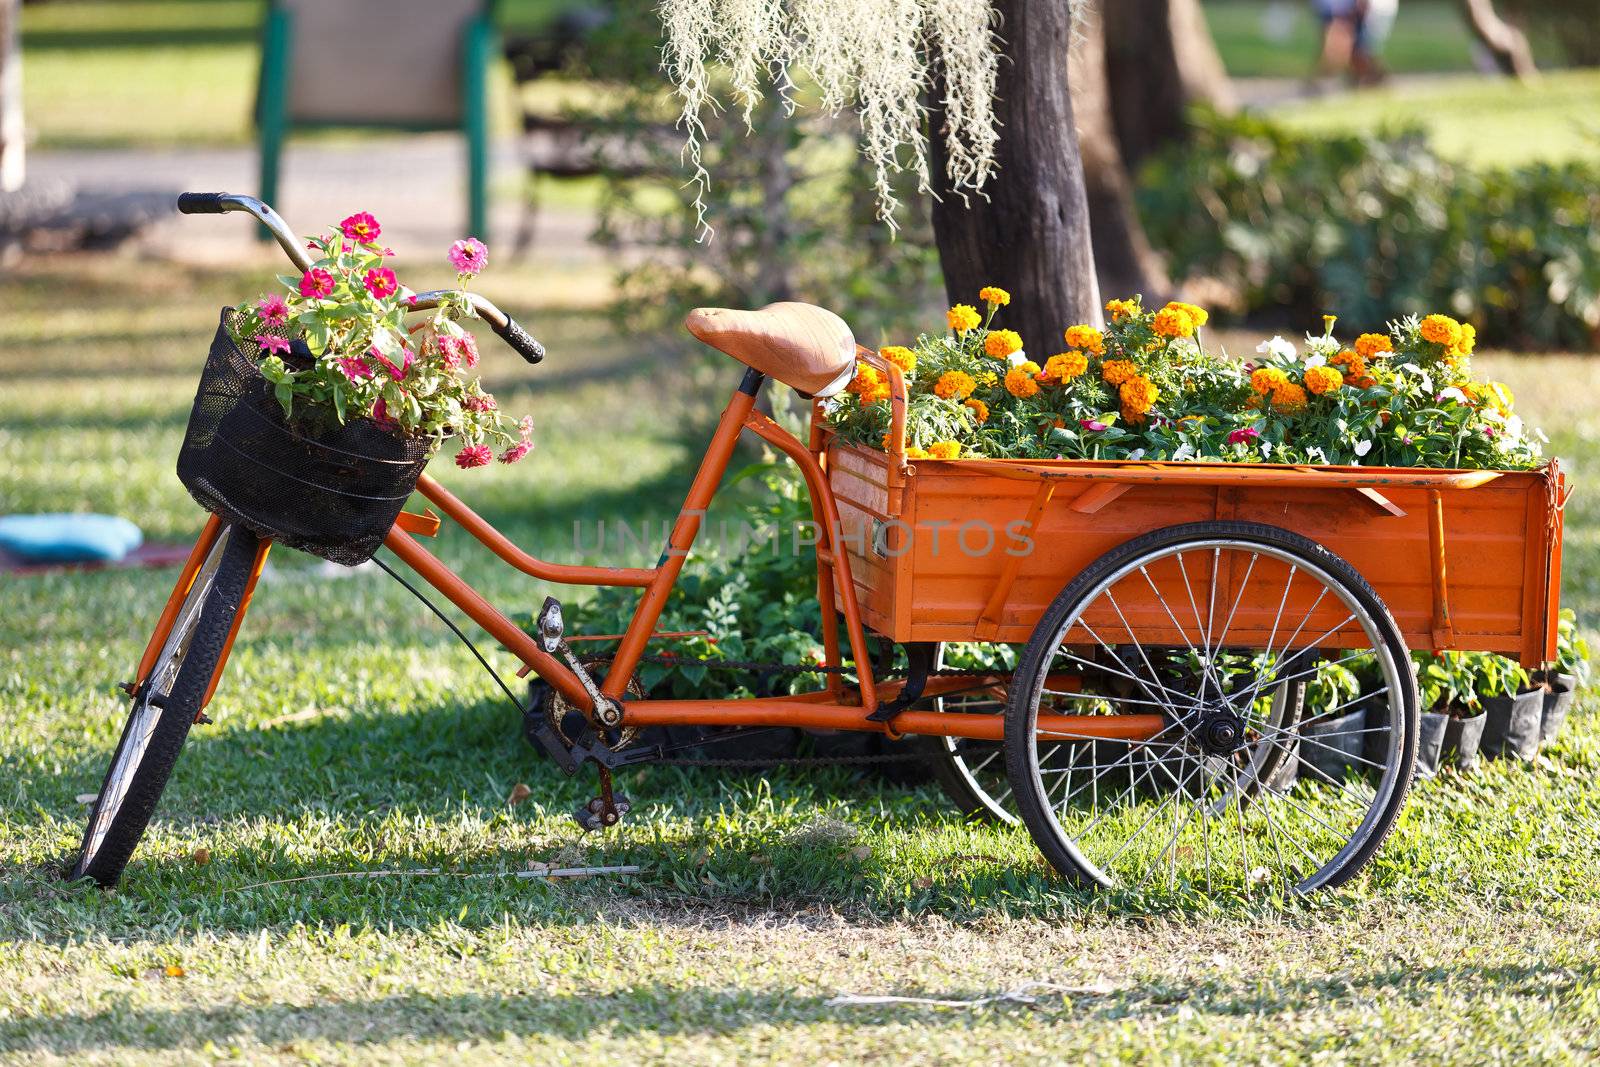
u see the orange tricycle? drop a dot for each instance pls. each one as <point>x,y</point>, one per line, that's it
<point>1126,657</point>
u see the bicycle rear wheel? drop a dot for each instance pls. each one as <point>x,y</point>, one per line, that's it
<point>164,708</point>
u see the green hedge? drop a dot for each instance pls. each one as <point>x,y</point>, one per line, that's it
<point>1378,226</point>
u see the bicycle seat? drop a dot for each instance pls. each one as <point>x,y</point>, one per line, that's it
<point>803,346</point>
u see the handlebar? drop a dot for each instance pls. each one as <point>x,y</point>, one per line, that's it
<point>507,328</point>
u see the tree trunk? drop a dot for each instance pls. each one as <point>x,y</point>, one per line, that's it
<point>1123,259</point>
<point>1205,79</point>
<point>1029,230</point>
<point>1147,93</point>
<point>11,132</point>
<point>1504,41</point>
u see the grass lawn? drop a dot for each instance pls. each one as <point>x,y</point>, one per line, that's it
<point>352,734</point>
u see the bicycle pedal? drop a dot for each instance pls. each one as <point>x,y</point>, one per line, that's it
<point>593,816</point>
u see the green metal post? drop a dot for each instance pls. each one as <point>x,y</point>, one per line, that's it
<point>272,101</point>
<point>478,51</point>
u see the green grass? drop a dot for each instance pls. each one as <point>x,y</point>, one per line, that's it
<point>1282,40</point>
<point>1484,121</point>
<point>352,734</point>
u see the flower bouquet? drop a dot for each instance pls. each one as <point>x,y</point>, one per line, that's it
<point>318,409</point>
<point>1146,387</point>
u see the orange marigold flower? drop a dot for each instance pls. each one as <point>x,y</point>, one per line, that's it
<point>1371,345</point>
<point>1266,379</point>
<point>866,380</point>
<point>1117,371</point>
<point>1197,314</point>
<point>1322,380</point>
<point>1289,398</point>
<point>1122,309</point>
<point>1019,379</point>
<point>1001,343</point>
<point>900,356</point>
<point>944,449</point>
<point>1065,366</point>
<point>962,318</point>
<point>1441,330</point>
<point>979,409</point>
<point>993,294</point>
<point>1354,366</point>
<point>1086,337</point>
<point>1173,322</point>
<point>954,385</point>
<point>875,394</point>
<point>1138,394</point>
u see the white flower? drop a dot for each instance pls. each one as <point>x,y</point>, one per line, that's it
<point>1315,361</point>
<point>1318,454</point>
<point>1266,448</point>
<point>1136,454</point>
<point>1363,447</point>
<point>1277,347</point>
<point>1017,358</point>
<point>1183,452</point>
<point>1456,394</point>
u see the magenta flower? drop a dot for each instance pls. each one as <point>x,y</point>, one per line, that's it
<point>474,456</point>
<point>316,283</point>
<point>478,403</point>
<point>273,309</point>
<point>516,452</point>
<point>380,283</point>
<point>380,415</point>
<point>469,256</point>
<point>1094,425</point>
<point>397,373</point>
<point>355,368</point>
<point>1243,435</point>
<point>458,350</point>
<point>272,343</point>
<point>361,227</point>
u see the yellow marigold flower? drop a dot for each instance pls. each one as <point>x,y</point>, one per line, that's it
<point>987,378</point>
<point>993,294</point>
<point>1469,339</point>
<point>901,357</point>
<point>944,449</point>
<point>1117,371</point>
<point>913,452</point>
<point>1197,314</point>
<point>1086,337</point>
<point>1267,379</point>
<point>1172,322</point>
<point>1441,330</point>
<point>980,410</point>
<point>1370,345</point>
<point>1122,309</point>
<point>1322,380</point>
<point>1065,366</point>
<point>1138,395</point>
<point>962,317</point>
<point>1289,398</point>
<point>1500,397</point>
<point>866,380</point>
<point>954,385</point>
<point>1001,343</point>
<point>1019,379</point>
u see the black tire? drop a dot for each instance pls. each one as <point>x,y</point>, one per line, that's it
<point>1038,808</point>
<point>961,767</point>
<point>212,604</point>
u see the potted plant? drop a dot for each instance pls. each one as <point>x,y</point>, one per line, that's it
<point>1514,708</point>
<point>1333,743</point>
<point>1561,685</point>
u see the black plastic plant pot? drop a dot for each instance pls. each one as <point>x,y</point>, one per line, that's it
<point>1431,733</point>
<point>1512,724</point>
<point>1561,691</point>
<point>1330,747</point>
<point>1463,738</point>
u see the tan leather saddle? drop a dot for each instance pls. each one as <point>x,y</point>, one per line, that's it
<point>803,346</point>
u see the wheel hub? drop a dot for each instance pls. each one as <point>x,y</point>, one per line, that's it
<point>1219,731</point>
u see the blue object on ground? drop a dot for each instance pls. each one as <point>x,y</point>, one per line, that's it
<point>69,538</point>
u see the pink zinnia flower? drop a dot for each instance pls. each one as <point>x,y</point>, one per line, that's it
<point>516,452</point>
<point>355,368</point>
<point>478,403</point>
<point>380,283</point>
<point>1094,425</point>
<point>271,343</point>
<point>316,283</point>
<point>525,427</point>
<point>274,311</point>
<point>1243,435</point>
<point>457,350</point>
<point>397,373</point>
<point>361,227</point>
<point>474,456</point>
<point>469,256</point>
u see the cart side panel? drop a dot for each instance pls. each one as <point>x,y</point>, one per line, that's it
<point>859,481</point>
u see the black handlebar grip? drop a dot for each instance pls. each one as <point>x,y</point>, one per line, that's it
<point>201,203</point>
<point>518,338</point>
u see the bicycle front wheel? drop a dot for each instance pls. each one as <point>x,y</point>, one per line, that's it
<point>165,706</point>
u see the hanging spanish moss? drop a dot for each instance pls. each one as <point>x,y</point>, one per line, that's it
<point>877,56</point>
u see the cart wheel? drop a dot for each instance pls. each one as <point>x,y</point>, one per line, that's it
<point>1201,626</point>
<point>972,773</point>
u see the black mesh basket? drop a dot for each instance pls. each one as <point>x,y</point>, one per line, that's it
<point>330,490</point>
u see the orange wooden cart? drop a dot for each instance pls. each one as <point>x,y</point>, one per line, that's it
<point>1147,650</point>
